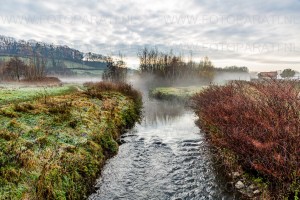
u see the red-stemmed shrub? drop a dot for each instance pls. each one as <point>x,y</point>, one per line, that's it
<point>259,122</point>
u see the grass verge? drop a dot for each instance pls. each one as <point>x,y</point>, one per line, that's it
<point>175,93</point>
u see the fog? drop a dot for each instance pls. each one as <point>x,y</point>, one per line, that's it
<point>224,77</point>
<point>80,80</point>
<point>146,82</point>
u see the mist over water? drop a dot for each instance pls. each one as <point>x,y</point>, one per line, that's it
<point>149,81</point>
<point>225,77</point>
<point>220,78</point>
<point>80,80</point>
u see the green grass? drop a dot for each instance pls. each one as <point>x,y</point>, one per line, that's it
<point>71,64</point>
<point>13,95</point>
<point>54,147</point>
<point>96,73</point>
<point>179,93</point>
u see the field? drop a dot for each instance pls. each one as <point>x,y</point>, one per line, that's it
<point>53,142</point>
<point>175,93</point>
<point>14,95</point>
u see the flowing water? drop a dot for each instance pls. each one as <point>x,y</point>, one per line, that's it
<point>165,157</point>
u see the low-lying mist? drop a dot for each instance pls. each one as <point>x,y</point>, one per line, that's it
<point>222,78</point>
<point>149,81</point>
<point>79,79</point>
<point>145,82</point>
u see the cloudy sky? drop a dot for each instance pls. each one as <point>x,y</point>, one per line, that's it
<point>263,35</point>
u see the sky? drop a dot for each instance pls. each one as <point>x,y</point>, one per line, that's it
<point>262,35</point>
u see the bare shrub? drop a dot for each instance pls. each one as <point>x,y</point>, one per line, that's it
<point>260,123</point>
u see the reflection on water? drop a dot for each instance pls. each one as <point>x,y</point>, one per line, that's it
<point>165,157</point>
<point>163,112</point>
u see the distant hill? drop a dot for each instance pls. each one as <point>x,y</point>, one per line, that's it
<point>59,58</point>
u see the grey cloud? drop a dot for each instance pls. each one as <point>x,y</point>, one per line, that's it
<point>112,26</point>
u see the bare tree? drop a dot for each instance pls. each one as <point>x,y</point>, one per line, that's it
<point>15,68</point>
<point>207,69</point>
<point>37,67</point>
<point>171,67</point>
<point>116,70</point>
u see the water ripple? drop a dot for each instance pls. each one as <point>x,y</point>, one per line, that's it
<point>164,159</point>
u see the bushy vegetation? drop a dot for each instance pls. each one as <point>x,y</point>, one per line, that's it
<point>97,90</point>
<point>259,123</point>
<point>54,147</point>
<point>288,73</point>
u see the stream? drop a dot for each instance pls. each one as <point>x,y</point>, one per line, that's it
<point>164,157</point>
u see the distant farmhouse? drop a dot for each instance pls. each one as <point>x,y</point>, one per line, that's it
<point>268,75</point>
<point>272,76</point>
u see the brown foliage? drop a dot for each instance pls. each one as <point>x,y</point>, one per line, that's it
<point>95,89</point>
<point>14,69</point>
<point>259,122</point>
<point>17,69</point>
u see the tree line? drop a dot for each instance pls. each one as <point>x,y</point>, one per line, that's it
<point>10,46</point>
<point>56,54</point>
<point>166,66</point>
<point>170,66</point>
<point>242,69</point>
<point>16,69</point>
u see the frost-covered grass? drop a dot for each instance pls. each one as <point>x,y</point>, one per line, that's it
<point>54,147</point>
<point>14,94</point>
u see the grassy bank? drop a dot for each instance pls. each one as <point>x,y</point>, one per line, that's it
<point>54,147</point>
<point>175,93</point>
<point>255,129</point>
